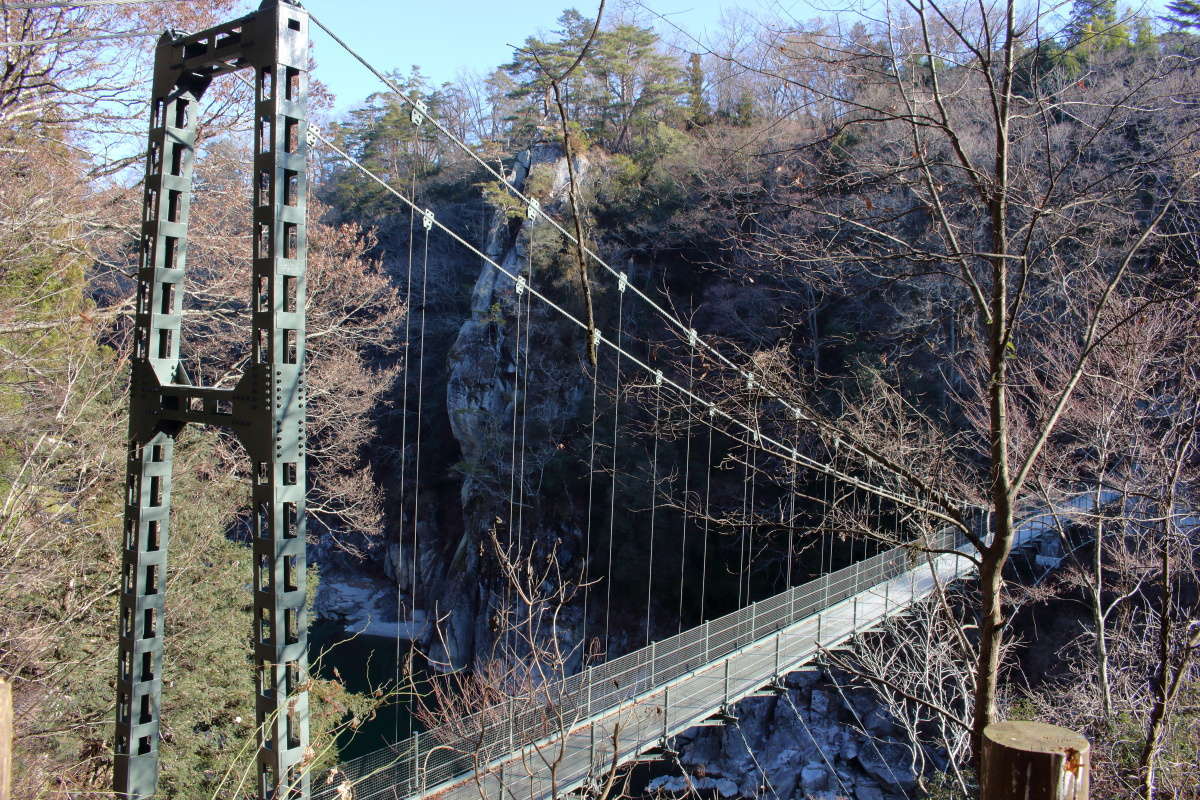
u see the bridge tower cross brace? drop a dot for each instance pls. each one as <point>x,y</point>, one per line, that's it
<point>265,409</point>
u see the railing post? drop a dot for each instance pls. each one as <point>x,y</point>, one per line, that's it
<point>778,635</point>
<point>707,634</point>
<point>512,726</point>
<point>653,664</point>
<point>418,783</point>
<point>1033,760</point>
<point>666,710</point>
<point>820,619</point>
<point>726,693</point>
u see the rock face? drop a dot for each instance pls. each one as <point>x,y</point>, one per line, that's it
<point>512,389</point>
<point>805,744</point>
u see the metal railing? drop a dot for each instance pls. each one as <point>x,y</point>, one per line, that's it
<point>447,754</point>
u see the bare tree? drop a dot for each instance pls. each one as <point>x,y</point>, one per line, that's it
<point>963,167</point>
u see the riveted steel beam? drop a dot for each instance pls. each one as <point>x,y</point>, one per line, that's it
<point>265,410</point>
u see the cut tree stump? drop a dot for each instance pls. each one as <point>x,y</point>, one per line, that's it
<point>1033,761</point>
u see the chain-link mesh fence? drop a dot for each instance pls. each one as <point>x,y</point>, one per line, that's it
<point>445,754</point>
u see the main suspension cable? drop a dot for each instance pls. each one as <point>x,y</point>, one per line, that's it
<point>665,314</point>
<point>777,448</point>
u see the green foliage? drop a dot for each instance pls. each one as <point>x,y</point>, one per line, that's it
<point>540,181</point>
<point>1183,15</point>
<point>1094,26</point>
<point>642,194</point>
<point>699,111</point>
<point>381,135</point>
<point>945,786</point>
<point>497,196</point>
<point>624,86</point>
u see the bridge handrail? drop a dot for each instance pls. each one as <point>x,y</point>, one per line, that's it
<point>443,753</point>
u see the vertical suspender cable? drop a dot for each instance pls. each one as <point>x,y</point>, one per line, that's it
<point>420,394</point>
<point>745,523</point>
<point>404,455</point>
<point>524,409</point>
<point>687,463</point>
<point>587,536</point>
<point>791,522</point>
<point>612,507</point>
<point>753,491</point>
<point>512,555</point>
<point>706,517</point>
<point>653,503</point>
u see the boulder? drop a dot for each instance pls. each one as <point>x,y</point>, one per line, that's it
<point>818,701</point>
<point>814,778</point>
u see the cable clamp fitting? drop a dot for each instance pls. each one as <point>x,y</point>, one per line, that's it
<point>427,219</point>
<point>797,413</point>
<point>533,209</point>
<point>755,435</point>
<point>419,112</point>
<point>312,135</point>
<point>520,287</point>
<point>622,282</point>
<point>749,381</point>
<point>693,337</point>
<point>596,337</point>
<point>712,410</point>
<point>658,378</point>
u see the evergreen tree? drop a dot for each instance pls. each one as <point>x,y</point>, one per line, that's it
<point>637,85</point>
<point>1094,26</point>
<point>382,135</point>
<point>699,112</point>
<point>1183,15</point>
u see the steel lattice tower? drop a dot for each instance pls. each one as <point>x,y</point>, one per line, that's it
<point>265,409</point>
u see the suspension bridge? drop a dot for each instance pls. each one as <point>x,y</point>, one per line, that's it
<point>560,735</point>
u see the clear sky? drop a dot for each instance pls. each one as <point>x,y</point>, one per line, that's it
<point>446,36</point>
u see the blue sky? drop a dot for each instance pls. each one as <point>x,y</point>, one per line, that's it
<point>446,36</point>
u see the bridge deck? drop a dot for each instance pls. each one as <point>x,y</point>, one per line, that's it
<point>558,764</point>
<point>575,732</point>
<point>635,701</point>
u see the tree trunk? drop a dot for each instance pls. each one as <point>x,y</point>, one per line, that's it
<point>1101,643</point>
<point>991,629</point>
<point>1158,713</point>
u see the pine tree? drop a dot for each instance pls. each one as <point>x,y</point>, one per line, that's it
<point>1183,15</point>
<point>1094,26</point>
<point>698,109</point>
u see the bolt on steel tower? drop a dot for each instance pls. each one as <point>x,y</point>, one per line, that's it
<point>265,409</point>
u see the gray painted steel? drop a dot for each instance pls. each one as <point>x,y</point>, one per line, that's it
<point>561,738</point>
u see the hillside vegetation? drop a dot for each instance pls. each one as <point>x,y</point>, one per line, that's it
<point>965,239</point>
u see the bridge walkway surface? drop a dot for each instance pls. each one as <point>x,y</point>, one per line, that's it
<point>566,737</point>
<point>574,733</point>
